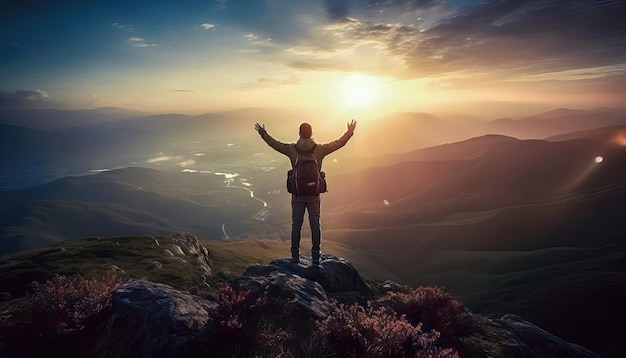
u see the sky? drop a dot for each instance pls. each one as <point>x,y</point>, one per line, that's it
<point>363,57</point>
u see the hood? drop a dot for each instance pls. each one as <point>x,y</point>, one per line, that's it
<point>305,144</point>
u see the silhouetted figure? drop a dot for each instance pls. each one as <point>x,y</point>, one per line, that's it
<point>311,202</point>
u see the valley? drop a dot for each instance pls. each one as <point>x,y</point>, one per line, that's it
<point>508,225</point>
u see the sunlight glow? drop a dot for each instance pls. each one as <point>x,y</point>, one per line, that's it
<point>359,91</point>
<point>599,159</point>
<point>621,137</point>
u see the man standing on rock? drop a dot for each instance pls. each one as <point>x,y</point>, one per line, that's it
<point>311,202</point>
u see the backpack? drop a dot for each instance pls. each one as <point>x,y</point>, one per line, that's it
<point>305,178</point>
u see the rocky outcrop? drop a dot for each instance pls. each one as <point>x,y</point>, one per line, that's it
<point>529,340</point>
<point>307,286</point>
<point>187,247</point>
<point>335,274</point>
<point>155,320</point>
<point>307,297</point>
<point>151,319</point>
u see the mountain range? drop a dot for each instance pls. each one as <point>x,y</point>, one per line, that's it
<point>52,137</point>
<point>512,215</point>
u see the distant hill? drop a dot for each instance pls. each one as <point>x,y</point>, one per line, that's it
<point>556,122</point>
<point>610,135</point>
<point>122,201</point>
<point>487,172</point>
<point>502,222</point>
<point>57,119</point>
<point>23,147</point>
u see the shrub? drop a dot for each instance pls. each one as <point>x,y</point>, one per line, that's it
<point>359,331</point>
<point>65,303</point>
<point>432,307</point>
<point>243,324</point>
<point>62,315</point>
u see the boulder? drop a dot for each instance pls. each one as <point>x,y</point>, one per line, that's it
<point>187,247</point>
<point>155,320</point>
<point>532,341</point>
<point>335,274</point>
<point>307,297</point>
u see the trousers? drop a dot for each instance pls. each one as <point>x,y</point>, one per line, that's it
<point>311,204</point>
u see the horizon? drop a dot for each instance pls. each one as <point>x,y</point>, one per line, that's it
<point>529,112</point>
<point>358,59</point>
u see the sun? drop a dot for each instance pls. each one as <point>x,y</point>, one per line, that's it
<point>359,91</point>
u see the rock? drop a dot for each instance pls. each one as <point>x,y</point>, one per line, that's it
<point>155,320</point>
<point>532,341</point>
<point>188,245</point>
<point>391,286</point>
<point>306,286</point>
<point>335,274</point>
<point>307,296</point>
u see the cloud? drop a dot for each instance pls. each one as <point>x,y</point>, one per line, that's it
<point>282,21</point>
<point>207,26</point>
<point>264,82</point>
<point>489,41</point>
<point>125,27</point>
<point>404,5</point>
<point>183,90</point>
<point>24,99</point>
<point>136,41</point>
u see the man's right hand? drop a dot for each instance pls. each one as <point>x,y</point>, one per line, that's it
<point>351,126</point>
<point>259,128</point>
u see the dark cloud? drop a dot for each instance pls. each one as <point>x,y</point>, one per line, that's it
<point>24,99</point>
<point>524,36</point>
<point>503,37</point>
<point>404,5</point>
<point>338,10</point>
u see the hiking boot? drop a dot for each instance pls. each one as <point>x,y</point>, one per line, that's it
<point>295,260</point>
<point>315,262</point>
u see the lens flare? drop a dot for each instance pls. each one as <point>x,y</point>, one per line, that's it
<point>599,159</point>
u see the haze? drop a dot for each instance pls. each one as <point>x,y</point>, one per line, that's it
<point>355,58</point>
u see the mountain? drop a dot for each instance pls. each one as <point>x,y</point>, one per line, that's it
<point>556,122</point>
<point>482,173</point>
<point>610,135</point>
<point>22,147</point>
<point>57,119</point>
<point>533,227</point>
<point>405,131</point>
<point>123,201</point>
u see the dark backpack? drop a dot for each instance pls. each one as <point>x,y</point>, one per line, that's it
<point>305,178</point>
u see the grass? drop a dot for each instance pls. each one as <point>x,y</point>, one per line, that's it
<point>575,293</point>
<point>130,256</point>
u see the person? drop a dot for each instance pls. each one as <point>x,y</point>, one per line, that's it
<point>310,203</point>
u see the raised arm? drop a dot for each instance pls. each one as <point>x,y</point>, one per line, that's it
<point>276,145</point>
<point>338,143</point>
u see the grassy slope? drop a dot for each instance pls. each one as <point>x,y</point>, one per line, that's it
<point>575,293</point>
<point>134,256</point>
